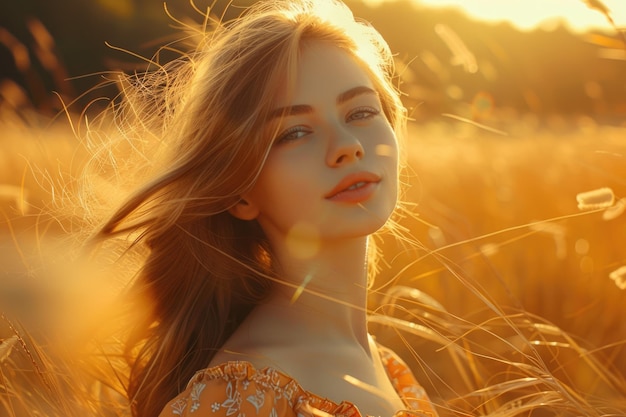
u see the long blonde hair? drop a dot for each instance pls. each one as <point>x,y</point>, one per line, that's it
<point>205,270</point>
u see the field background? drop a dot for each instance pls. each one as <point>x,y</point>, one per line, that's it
<point>508,127</point>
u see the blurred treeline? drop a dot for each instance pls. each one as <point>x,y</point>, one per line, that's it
<point>450,63</point>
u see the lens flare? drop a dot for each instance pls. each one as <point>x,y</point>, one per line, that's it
<point>303,241</point>
<point>384,150</point>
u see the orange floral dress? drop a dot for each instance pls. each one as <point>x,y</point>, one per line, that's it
<point>237,389</point>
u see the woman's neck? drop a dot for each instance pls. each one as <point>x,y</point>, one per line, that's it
<point>324,298</point>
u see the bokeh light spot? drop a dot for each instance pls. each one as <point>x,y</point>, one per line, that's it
<point>303,241</point>
<point>581,246</point>
<point>384,150</point>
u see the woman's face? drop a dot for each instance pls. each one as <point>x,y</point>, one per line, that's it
<point>332,170</point>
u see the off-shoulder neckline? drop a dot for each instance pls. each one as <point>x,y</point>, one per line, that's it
<point>278,381</point>
<point>297,397</point>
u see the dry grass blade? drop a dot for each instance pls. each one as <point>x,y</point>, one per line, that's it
<point>414,328</point>
<point>604,9</point>
<point>36,381</point>
<point>596,199</point>
<point>6,346</point>
<point>599,6</point>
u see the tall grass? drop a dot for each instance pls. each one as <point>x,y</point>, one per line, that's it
<point>517,312</point>
<point>506,298</point>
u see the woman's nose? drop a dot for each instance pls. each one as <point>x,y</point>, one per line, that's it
<point>344,148</point>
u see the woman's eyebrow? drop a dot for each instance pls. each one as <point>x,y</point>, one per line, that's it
<point>299,109</point>
<point>291,111</point>
<point>353,92</point>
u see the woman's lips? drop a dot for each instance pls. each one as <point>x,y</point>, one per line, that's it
<point>354,188</point>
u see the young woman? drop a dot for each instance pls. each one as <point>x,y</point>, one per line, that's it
<point>281,132</point>
<point>268,158</point>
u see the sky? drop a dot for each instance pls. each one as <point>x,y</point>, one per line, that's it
<point>529,14</point>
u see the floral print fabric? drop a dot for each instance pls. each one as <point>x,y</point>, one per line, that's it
<point>237,389</point>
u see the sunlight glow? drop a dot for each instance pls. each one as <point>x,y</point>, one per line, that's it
<point>530,14</point>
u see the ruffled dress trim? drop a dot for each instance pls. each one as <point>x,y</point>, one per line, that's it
<point>304,403</point>
<point>282,385</point>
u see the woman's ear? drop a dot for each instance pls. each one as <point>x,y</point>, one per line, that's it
<point>244,210</point>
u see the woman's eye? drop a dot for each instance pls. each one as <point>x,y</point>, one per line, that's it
<point>363,113</point>
<point>293,133</point>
